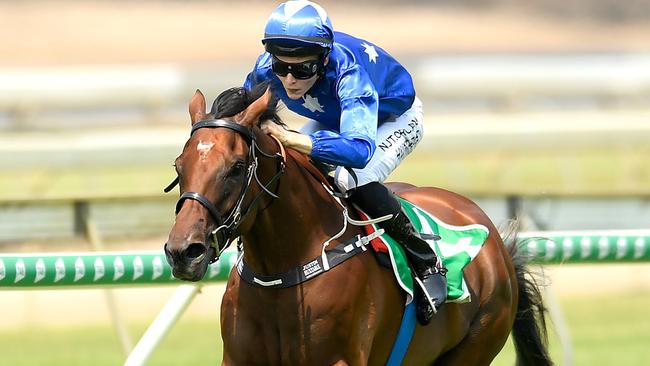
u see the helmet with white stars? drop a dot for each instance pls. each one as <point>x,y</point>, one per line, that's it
<point>298,28</point>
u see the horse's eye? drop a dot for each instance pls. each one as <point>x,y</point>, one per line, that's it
<point>237,170</point>
<point>177,166</point>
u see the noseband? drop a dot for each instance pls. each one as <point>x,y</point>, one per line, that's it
<point>226,228</point>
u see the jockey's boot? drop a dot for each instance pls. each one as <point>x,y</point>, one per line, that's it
<point>430,274</point>
<point>431,284</point>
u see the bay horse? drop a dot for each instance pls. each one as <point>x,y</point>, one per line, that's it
<point>237,181</point>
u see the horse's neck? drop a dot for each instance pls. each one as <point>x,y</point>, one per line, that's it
<point>293,228</point>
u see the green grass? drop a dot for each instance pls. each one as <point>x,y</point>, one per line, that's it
<point>585,171</point>
<point>530,172</point>
<point>191,342</point>
<point>606,330</point>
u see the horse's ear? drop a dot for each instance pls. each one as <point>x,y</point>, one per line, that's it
<point>251,115</point>
<point>197,107</point>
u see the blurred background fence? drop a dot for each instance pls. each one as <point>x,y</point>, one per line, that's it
<point>83,97</point>
<point>547,136</point>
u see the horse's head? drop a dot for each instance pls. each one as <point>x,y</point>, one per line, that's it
<point>215,171</point>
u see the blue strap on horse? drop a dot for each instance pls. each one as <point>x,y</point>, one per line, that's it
<point>336,256</point>
<point>404,336</point>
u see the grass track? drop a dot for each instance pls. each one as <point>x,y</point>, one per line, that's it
<point>606,330</point>
<point>560,172</point>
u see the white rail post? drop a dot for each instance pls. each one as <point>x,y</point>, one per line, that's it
<point>561,327</point>
<point>162,324</point>
<point>92,234</point>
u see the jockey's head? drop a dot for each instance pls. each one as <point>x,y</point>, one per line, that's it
<point>299,36</point>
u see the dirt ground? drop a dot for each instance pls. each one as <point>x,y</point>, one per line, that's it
<point>103,32</point>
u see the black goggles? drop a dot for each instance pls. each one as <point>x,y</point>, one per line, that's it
<point>301,70</point>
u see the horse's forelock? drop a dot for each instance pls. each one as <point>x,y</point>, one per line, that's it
<point>235,100</point>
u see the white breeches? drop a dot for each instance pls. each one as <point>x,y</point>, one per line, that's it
<point>396,138</point>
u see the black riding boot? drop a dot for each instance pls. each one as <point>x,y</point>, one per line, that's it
<point>429,271</point>
<point>377,201</point>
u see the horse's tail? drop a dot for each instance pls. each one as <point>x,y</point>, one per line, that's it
<point>529,330</point>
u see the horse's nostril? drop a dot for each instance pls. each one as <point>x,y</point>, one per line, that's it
<point>168,254</point>
<point>194,251</point>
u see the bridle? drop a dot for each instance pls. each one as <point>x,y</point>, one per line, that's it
<point>226,228</point>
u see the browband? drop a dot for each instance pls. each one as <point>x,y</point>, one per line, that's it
<point>216,123</point>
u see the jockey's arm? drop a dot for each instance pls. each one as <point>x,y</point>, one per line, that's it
<point>350,150</point>
<point>293,140</point>
<point>353,145</point>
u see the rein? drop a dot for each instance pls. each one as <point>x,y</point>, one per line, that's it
<point>226,228</point>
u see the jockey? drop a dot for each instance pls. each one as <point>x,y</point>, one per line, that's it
<point>363,116</point>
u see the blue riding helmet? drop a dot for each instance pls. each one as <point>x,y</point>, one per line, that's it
<point>298,28</point>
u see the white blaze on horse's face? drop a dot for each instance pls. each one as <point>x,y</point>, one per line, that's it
<point>204,148</point>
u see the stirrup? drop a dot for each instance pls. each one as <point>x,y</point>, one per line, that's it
<point>426,295</point>
<point>438,284</point>
<point>424,308</point>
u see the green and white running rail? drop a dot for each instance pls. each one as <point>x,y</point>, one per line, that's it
<point>98,269</point>
<point>20,271</point>
<point>586,246</point>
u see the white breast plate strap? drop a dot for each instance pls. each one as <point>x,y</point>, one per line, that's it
<point>267,283</point>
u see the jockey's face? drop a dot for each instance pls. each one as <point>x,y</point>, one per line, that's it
<point>296,88</point>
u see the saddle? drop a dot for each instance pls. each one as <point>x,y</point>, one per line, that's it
<point>456,246</point>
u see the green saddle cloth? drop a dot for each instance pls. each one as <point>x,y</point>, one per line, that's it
<point>457,247</point>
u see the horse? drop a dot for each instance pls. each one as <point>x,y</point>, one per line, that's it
<point>236,181</point>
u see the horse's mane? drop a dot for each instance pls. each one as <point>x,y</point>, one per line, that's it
<point>234,100</point>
